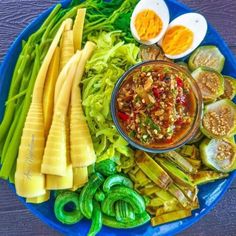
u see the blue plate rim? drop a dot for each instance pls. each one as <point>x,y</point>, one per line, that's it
<point>10,53</point>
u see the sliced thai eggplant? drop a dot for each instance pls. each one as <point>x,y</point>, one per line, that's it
<point>219,119</point>
<point>218,154</point>
<point>229,87</point>
<point>210,82</point>
<point>209,56</point>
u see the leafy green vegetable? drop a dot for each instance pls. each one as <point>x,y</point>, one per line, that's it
<point>111,59</point>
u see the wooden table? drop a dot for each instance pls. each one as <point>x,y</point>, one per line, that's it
<point>15,219</point>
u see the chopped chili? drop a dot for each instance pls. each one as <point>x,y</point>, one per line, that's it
<point>161,105</point>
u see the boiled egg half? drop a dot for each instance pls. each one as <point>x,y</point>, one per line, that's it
<point>149,21</point>
<point>184,34</point>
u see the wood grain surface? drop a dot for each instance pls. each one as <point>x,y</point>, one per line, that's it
<point>15,219</point>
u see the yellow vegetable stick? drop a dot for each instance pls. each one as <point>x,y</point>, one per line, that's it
<point>67,48</point>
<point>48,98</point>
<point>29,181</point>
<point>78,28</point>
<point>82,151</point>
<point>80,177</point>
<point>54,158</point>
<point>55,182</point>
<point>39,199</point>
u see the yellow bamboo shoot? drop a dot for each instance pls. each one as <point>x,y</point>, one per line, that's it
<point>55,159</point>
<point>78,28</point>
<point>48,98</point>
<point>80,177</point>
<point>29,181</point>
<point>67,48</point>
<point>39,199</point>
<point>55,182</point>
<point>82,151</point>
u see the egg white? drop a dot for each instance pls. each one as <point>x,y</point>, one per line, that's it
<point>194,22</point>
<point>160,8</point>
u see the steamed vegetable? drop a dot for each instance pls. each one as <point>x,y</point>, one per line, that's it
<point>40,199</point>
<point>55,154</point>
<point>210,82</point>
<point>209,56</point>
<point>108,63</point>
<point>78,28</point>
<point>87,194</point>
<point>229,87</point>
<point>67,216</point>
<point>29,180</point>
<point>152,169</point>
<point>219,119</point>
<point>219,154</point>
<point>66,44</point>
<point>82,151</point>
<point>48,97</point>
<point>96,225</point>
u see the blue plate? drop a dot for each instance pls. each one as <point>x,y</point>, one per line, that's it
<point>209,194</point>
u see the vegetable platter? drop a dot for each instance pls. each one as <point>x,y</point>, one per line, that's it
<point>117,118</point>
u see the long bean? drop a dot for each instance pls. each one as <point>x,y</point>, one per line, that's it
<point>12,151</point>
<point>11,133</point>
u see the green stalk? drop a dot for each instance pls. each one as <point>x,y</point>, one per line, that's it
<point>11,133</point>
<point>13,147</point>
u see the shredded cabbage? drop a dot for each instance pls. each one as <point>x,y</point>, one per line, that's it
<point>110,60</point>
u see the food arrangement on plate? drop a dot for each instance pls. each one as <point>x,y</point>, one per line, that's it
<point>117,114</point>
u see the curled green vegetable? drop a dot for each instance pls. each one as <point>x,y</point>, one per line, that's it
<point>210,82</point>
<point>124,211</point>
<point>219,154</point>
<point>99,195</point>
<point>125,194</point>
<point>96,225</point>
<point>106,167</point>
<point>113,180</point>
<point>67,217</point>
<point>219,119</point>
<point>140,219</point>
<point>209,56</point>
<point>87,194</point>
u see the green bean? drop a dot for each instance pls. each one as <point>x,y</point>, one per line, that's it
<point>51,16</point>
<point>10,109</point>
<point>12,151</point>
<point>11,133</point>
<point>87,194</point>
<point>126,194</point>
<point>19,95</point>
<point>69,14</point>
<point>116,180</point>
<point>96,220</point>
<point>67,217</point>
<point>139,220</point>
<point>12,174</point>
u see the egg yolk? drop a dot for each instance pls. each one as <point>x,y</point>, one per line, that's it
<point>148,24</point>
<point>177,40</point>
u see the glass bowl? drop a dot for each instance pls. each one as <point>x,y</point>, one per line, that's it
<point>187,135</point>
